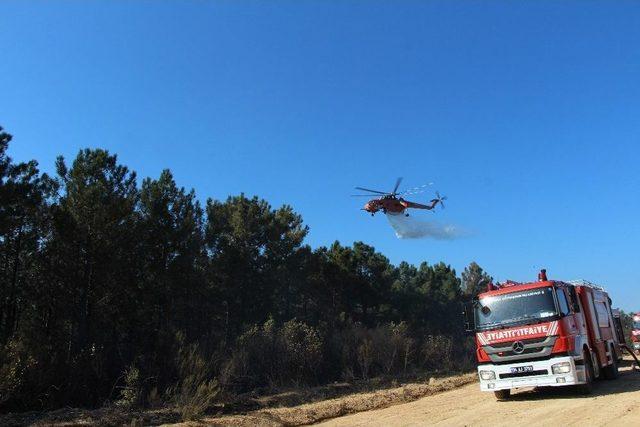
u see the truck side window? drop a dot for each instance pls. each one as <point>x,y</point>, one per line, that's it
<point>602,314</point>
<point>562,302</point>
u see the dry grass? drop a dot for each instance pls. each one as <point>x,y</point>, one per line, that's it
<point>282,409</point>
<point>314,412</point>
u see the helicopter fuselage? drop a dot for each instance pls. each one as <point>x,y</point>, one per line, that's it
<point>386,204</point>
<point>395,205</point>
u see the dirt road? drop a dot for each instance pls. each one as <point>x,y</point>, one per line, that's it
<point>614,402</point>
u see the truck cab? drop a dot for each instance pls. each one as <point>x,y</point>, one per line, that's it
<point>544,333</point>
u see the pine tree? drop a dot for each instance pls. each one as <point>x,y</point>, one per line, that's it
<point>475,280</point>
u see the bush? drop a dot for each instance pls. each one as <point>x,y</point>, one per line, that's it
<point>393,347</point>
<point>387,349</point>
<point>365,357</point>
<point>269,355</point>
<point>301,347</point>
<point>15,365</point>
<point>253,361</point>
<point>436,352</point>
<point>131,393</point>
<point>195,390</point>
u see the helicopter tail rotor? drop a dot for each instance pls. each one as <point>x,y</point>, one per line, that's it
<point>439,199</point>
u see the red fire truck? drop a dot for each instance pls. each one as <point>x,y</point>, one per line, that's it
<point>635,333</point>
<point>544,333</point>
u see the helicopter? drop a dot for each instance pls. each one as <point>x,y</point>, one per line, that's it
<point>393,203</point>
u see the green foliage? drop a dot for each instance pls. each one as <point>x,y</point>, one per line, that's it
<point>626,319</point>
<point>301,346</point>
<point>475,280</point>
<point>131,393</point>
<point>15,366</point>
<point>436,351</point>
<point>272,355</point>
<point>252,250</point>
<point>99,275</point>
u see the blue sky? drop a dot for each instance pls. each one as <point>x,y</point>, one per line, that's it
<point>526,114</point>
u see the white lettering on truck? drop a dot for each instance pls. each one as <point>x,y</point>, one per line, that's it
<point>522,332</point>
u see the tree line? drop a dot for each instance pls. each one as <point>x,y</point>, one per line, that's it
<point>119,290</point>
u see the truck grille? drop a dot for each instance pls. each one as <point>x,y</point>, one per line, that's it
<point>507,345</point>
<point>533,348</point>
<point>525,374</point>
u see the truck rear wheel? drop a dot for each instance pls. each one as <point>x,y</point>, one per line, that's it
<point>587,387</point>
<point>611,372</point>
<point>502,394</point>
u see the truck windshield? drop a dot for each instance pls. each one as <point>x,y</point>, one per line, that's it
<point>515,307</point>
<point>636,325</point>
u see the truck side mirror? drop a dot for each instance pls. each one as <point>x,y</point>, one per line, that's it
<point>469,321</point>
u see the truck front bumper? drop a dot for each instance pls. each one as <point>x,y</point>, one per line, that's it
<point>540,374</point>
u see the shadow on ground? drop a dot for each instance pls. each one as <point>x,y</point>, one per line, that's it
<point>628,381</point>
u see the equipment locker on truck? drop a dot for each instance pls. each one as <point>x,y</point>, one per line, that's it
<point>544,333</point>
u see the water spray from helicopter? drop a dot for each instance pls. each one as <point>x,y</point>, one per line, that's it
<point>411,227</point>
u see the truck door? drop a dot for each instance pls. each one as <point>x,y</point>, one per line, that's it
<point>601,326</point>
<point>568,319</point>
<point>592,321</point>
<point>603,313</point>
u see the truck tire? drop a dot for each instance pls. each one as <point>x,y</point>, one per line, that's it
<point>502,394</point>
<point>587,387</point>
<point>611,372</point>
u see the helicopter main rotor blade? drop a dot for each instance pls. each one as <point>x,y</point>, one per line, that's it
<point>371,191</point>
<point>395,189</point>
<point>417,190</point>
<point>361,195</point>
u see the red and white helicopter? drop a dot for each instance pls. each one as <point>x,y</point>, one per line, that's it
<point>393,202</point>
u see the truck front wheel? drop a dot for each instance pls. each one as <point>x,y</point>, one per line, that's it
<point>587,387</point>
<point>502,394</point>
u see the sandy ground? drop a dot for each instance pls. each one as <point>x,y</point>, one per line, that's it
<point>614,403</point>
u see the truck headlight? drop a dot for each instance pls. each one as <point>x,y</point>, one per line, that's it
<point>561,368</point>
<point>487,375</point>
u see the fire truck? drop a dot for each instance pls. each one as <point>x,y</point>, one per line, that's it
<point>543,333</point>
<point>635,333</point>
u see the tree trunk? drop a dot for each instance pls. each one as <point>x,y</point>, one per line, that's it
<point>12,306</point>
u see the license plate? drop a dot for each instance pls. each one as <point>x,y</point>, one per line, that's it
<point>520,369</point>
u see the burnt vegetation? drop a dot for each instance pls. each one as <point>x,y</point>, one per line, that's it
<point>120,293</point>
